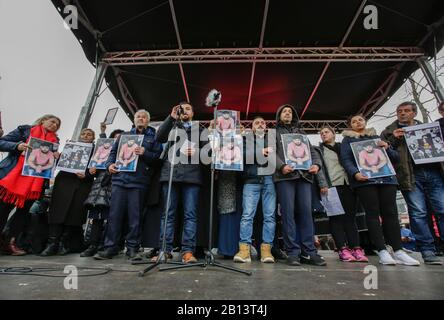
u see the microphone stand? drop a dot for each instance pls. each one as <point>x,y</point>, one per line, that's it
<point>210,260</point>
<point>162,257</point>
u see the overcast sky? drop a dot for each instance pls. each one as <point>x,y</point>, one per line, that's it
<point>43,70</point>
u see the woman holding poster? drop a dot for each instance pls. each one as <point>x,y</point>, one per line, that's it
<point>377,195</point>
<point>66,212</point>
<point>343,226</point>
<point>16,190</point>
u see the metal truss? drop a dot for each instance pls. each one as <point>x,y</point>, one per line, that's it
<point>309,126</point>
<point>380,95</point>
<point>261,55</point>
<point>126,95</point>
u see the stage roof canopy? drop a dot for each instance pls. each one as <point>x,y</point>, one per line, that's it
<point>316,55</point>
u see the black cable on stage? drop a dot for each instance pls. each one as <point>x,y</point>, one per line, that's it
<point>31,271</point>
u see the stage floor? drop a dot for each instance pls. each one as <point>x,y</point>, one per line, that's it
<point>269,281</point>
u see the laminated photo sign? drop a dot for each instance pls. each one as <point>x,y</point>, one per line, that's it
<point>372,160</point>
<point>425,142</point>
<point>296,151</point>
<point>39,160</point>
<point>126,155</point>
<point>75,157</point>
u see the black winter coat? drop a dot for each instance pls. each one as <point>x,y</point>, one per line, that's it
<point>100,193</point>
<point>183,172</point>
<point>280,158</point>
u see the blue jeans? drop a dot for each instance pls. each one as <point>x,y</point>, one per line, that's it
<point>251,195</point>
<point>294,197</point>
<point>429,189</point>
<point>190,202</point>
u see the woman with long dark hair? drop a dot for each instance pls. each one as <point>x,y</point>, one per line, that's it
<point>377,195</point>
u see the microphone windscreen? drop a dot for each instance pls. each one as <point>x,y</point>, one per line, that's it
<point>213,99</point>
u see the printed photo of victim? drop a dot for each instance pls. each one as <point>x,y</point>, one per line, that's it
<point>229,154</point>
<point>126,152</point>
<point>296,151</point>
<point>75,157</point>
<point>425,143</point>
<point>372,160</point>
<point>226,122</point>
<point>39,160</point>
<point>101,153</point>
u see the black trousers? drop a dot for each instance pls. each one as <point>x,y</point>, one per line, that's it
<point>379,201</point>
<point>343,227</point>
<point>18,220</point>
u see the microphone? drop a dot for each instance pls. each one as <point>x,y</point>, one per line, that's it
<point>213,99</point>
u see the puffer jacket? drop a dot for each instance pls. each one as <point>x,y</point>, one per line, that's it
<point>348,161</point>
<point>100,193</point>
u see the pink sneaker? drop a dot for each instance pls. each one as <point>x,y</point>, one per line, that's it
<point>359,255</point>
<point>345,254</point>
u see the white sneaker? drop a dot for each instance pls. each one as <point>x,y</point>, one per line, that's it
<point>385,258</point>
<point>403,258</point>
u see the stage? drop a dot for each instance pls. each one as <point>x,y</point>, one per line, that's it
<point>269,281</point>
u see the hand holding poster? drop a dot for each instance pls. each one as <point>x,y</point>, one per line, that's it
<point>126,153</point>
<point>372,160</point>
<point>101,153</point>
<point>425,143</point>
<point>296,151</point>
<point>75,157</point>
<point>39,159</point>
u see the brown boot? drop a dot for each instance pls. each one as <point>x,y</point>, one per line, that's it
<point>244,253</point>
<point>266,255</point>
<point>14,250</point>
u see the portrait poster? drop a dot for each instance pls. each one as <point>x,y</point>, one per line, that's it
<point>126,155</point>
<point>39,159</point>
<point>101,153</point>
<point>296,151</point>
<point>372,160</point>
<point>229,153</point>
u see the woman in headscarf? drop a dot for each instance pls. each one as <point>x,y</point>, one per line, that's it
<point>67,212</point>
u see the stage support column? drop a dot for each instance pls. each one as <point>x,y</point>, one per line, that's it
<point>88,108</point>
<point>434,83</point>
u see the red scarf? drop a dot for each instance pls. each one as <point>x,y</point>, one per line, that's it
<point>15,188</point>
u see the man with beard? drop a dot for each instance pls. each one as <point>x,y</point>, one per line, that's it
<point>41,159</point>
<point>187,179</point>
<point>102,154</point>
<point>371,160</point>
<point>258,183</point>
<point>127,155</point>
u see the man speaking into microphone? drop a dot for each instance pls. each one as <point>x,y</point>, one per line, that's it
<point>186,180</point>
